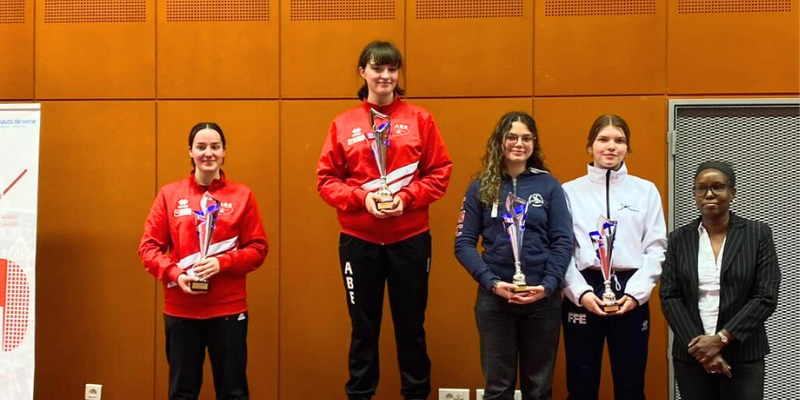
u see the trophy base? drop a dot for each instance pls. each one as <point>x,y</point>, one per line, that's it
<point>199,286</point>
<point>384,205</point>
<point>611,307</point>
<point>521,288</point>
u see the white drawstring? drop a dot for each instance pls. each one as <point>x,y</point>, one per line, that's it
<point>616,282</point>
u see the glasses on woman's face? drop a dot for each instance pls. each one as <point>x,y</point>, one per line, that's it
<point>513,137</point>
<point>715,189</point>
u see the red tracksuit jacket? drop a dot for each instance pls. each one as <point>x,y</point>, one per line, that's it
<point>170,244</point>
<point>418,170</point>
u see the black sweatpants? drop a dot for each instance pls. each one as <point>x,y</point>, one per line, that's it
<point>226,339</point>
<point>366,269</point>
<point>585,334</point>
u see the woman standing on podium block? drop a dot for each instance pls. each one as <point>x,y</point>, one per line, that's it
<point>381,186</point>
<point>607,194</point>
<point>205,299</point>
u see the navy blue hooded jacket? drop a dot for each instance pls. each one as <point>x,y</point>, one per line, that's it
<point>546,244</point>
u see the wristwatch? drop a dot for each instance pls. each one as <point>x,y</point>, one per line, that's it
<point>722,337</point>
<point>494,285</point>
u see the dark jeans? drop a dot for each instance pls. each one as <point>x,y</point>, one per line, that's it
<point>746,381</point>
<point>367,268</point>
<point>226,339</point>
<point>585,335</point>
<point>512,335</point>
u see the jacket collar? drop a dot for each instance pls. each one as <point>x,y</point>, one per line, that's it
<point>733,242</point>
<point>387,109</point>
<point>215,184</point>
<point>598,175</point>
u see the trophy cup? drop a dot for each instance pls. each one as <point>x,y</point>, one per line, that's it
<point>206,219</point>
<point>381,128</point>
<point>515,219</point>
<point>603,241</point>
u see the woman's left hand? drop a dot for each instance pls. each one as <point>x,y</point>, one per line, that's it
<point>626,304</point>
<point>705,347</point>
<point>206,268</point>
<point>397,208</point>
<point>530,295</point>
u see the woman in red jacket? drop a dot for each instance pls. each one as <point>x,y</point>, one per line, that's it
<point>170,250</point>
<point>388,242</point>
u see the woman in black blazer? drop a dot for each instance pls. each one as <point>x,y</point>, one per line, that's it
<point>719,284</point>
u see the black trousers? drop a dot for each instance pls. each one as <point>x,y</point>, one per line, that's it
<point>517,335</point>
<point>746,381</point>
<point>585,335</point>
<point>366,269</point>
<point>226,340</point>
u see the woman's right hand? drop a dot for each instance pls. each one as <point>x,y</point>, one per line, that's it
<point>371,203</point>
<point>717,365</point>
<point>591,302</point>
<point>184,281</point>
<point>505,290</point>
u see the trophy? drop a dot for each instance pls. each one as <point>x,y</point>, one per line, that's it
<point>515,219</point>
<point>206,219</point>
<point>381,128</point>
<point>603,241</point>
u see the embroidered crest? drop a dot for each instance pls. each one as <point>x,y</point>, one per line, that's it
<point>536,200</point>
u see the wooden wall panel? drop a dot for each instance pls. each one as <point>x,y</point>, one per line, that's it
<point>315,328</point>
<point>564,126</point>
<point>95,49</point>
<point>251,132</point>
<point>733,47</point>
<point>321,41</point>
<point>452,332</point>
<point>458,48</point>
<point>598,47</point>
<point>230,52</point>
<point>95,303</point>
<point>16,40</point>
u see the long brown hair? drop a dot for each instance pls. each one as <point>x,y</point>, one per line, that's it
<point>491,173</point>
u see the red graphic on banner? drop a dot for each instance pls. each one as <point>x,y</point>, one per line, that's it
<point>15,301</point>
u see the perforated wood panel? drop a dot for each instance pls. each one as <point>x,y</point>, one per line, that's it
<point>449,9</point>
<point>217,10</point>
<point>12,12</point>
<point>341,10</point>
<point>16,42</point>
<point>768,190</point>
<point>573,8</point>
<point>454,48</point>
<point>217,49</point>
<point>95,303</point>
<point>95,49</point>
<point>252,158</point>
<point>710,52</point>
<point>733,6</point>
<point>564,124</point>
<point>94,11</point>
<point>320,48</point>
<point>590,47</point>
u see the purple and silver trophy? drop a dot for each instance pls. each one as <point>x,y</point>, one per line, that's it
<point>206,219</point>
<point>603,241</point>
<point>515,219</point>
<point>381,128</point>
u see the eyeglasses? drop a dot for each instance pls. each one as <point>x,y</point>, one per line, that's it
<point>715,189</point>
<point>512,138</point>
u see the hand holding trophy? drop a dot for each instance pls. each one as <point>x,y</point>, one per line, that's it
<point>603,241</point>
<point>515,219</point>
<point>206,219</point>
<point>381,128</point>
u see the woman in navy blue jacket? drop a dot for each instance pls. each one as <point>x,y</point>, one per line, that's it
<point>516,328</point>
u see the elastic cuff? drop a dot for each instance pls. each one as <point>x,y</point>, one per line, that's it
<point>580,298</point>
<point>224,262</point>
<point>406,197</point>
<point>173,273</point>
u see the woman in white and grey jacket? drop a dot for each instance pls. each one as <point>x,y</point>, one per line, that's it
<point>638,250</point>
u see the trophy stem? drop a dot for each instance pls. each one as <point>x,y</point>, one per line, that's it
<point>519,278</point>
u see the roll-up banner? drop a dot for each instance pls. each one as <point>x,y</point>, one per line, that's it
<point>19,176</point>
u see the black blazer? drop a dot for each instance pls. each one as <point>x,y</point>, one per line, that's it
<point>748,288</point>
